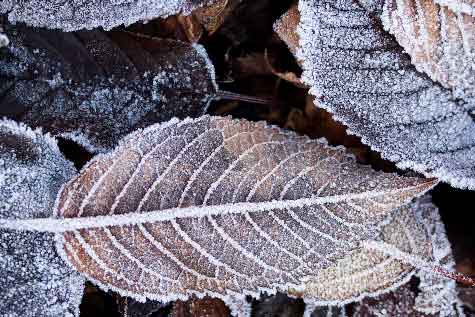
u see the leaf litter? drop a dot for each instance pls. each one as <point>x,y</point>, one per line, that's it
<point>435,295</point>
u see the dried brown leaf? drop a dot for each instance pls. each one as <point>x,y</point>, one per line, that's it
<point>218,206</point>
<point>286,28</point>
<point>441,43</point>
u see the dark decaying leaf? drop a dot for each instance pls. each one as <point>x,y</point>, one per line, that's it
<point>34,280</point>
<point>278,305</point>
<point>225,207</point>
<point>394,303</point>
<point>72,15</point>
<point>94,87</point>
<point>361,75</point>
<point>129,307</point>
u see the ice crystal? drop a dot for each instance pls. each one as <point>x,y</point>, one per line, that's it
<point>34,280</point>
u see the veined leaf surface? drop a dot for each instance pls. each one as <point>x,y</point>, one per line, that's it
<point>441,43</point>
<point>219,206</point>
<point>95,87</point>
<point>72,15</point>
<point>361,75</point>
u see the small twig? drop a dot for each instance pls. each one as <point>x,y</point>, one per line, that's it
<point>456,276</point>
<point>238,97</point>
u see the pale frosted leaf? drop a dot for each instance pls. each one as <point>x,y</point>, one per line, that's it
<point>71,15</point>
<point>34,280</point>
<point>437,295</point>
<point>369,273</point>
<point>95,87</point>
<point>219,206</point>
<point>440,42</point>
<point>360,74</point>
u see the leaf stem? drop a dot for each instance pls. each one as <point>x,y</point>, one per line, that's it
<point>221,94</point>
<point>417,262</point>
<point>456,276</point>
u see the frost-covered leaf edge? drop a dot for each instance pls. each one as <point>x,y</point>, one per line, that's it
<point>232,297</point>
<point>439,173</point>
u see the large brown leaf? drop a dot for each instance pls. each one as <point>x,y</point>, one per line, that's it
<point>220,206</point>
<point>95,87</point>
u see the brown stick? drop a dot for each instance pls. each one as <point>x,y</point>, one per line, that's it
<point>238,97</point>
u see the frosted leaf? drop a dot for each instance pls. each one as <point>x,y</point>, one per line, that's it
<point>219,207</point>
<point>440,42</point>
<point>360,74</point>
<point>369,273</point>
<point>459,6</point>
<point>72,15</point>
<point>95,87</point>
<point>34,280</point>
<point>435,296</point>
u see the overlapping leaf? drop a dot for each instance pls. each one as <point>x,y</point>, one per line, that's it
<point>220,206</point>
<point>34,280</point>
<point>95,87</point>
<point>361,75</point>
<point>72,15</point>
<point>441,43</point>
<point>459,6</point>
<point>435,296</point>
